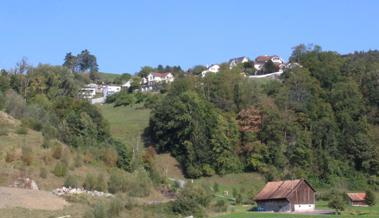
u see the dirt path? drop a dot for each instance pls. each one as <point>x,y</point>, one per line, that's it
<point>31,199</point>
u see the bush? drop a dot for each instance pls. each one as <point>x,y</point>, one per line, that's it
<point>43,173</point>
<point>99,211</point>
<point>192,200</point>
<point>22,130</point>
<point>216,187</point>
<point>115,207</point>
<point>27,155</point>
<point>221,206</point>
<point>370,198</point>
<point>139,184</point>
<point>60,170</point>
<point>71,181</point>
<point>11,156</point>
<point>337,203</point>
<point>78,162</point>
<point>117,181</point>
<point>110,157</point>
<point>57,151</point>
<point>89,182</point>
<point>100,185</point>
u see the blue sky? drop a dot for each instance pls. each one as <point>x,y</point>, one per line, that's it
<point>125,35</point>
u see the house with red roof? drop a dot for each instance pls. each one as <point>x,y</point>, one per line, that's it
<point>357,199</point>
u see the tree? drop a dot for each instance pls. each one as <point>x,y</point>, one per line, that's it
<point>70,61</point>
<point>145,71</point>
<point>196,70</point>
<point>370,198</point>
<point>192,200</point>
<point>269,67</point>
<point>337,203</point>
<point>199,136</point>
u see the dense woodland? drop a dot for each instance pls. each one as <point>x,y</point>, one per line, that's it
<point>319,121</point>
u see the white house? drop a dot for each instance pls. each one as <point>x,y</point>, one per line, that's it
<point>87,92</point>
<point>214,68</point>
<point>126,85</point>
<point>111,89</point>
<point>235,61</point>
<point>261,60</point>
<point>154,79</point>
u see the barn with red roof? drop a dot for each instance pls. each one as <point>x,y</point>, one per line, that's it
<point>357,199</point>
<point>286,196</point>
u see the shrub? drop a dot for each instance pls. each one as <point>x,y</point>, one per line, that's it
<point>22,130</point>
<point>337,203</point>
<point>221,206</point>
<point>139,184</point>
<point>11,156</point>
<point>115,207</point>
<point>57,151</point>
<point>100,185</point>
<point>89,182</point>
<point>192,200</point>
<point>110,157</point>
<point>60,170</point>
<point>117,181</point>
<point>27,155</point>
<point>370,198</point>
<point>71,181</point>
<point>78,162</point>
<point>99,211</point>
<point>43,173</point>
<point>216,187</point>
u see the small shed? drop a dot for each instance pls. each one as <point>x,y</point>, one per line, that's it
<point>357,199</point>
<point>286,196</point>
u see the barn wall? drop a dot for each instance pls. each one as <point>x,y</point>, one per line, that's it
<point>281,205</point>
<point>358,203</point>
<point>303,194</point>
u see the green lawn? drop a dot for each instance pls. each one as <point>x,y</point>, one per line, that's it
<point>127,123</point>
<point>350,212</point>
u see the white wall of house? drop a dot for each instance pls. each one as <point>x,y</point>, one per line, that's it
<point>304,207</point>
<point>110,90</point>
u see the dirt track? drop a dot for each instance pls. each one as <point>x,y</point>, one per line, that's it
<point>31,199</point>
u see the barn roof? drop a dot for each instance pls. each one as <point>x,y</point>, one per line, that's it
<point>279,189</point>
<point>357,196</point>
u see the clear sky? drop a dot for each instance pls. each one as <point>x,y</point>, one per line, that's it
<point>128,34</point>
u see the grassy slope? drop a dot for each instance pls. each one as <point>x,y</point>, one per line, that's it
<point>127,123</point>
<point>11,141</point>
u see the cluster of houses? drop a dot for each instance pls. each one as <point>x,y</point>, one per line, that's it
<point>258,64</point>
<point>295,196</point>
<point>156,80</point>
<point>152,82</point>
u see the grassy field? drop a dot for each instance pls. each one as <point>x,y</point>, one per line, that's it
<point>127,123</point>
<point>350,212</point>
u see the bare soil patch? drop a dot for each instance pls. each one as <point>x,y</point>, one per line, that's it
<point>30,199</point>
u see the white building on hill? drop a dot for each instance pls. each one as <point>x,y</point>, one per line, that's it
<point>214,68</point>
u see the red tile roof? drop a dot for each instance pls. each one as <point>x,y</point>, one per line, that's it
<point>262,58</point>
<point>278,189</point>
<point>357,196</point>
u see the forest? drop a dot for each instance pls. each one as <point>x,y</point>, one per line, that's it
<point>319,121</point>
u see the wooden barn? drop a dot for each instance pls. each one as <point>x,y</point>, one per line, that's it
<point>357,199</point>
<point>286,196</point>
